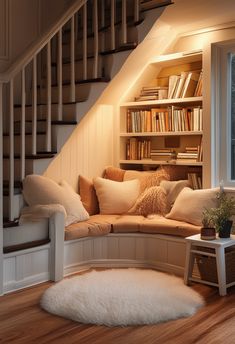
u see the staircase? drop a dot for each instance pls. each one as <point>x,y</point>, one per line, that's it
<point>45,94</point>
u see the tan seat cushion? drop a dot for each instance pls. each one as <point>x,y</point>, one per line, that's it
<point>127,224</point>
<point>97,225</point>
<point>160,225</point>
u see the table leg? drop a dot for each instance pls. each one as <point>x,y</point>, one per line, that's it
<point>221,270</point>
<point>188,263</point>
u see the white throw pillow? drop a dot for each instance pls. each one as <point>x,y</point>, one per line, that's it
<point>41,190</point>
<point>190,204</point>
<point>116,197</point>
<point>172,189</point>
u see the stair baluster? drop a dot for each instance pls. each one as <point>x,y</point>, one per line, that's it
<point>124,24</point>
<point>112,24</point>
<point>96,39</point>
<point>22,128</point>
<point>34,108</point>
<point>11,152</point>
<point>85,41</point>
<point>59,77</point>
<point>72,60</point>
<point>48,120</point>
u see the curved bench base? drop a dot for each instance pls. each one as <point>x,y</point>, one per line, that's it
<point>161,252</point>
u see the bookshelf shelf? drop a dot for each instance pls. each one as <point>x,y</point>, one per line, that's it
<point>165,133</point>
<point>160,162</point>
<point>180,101</point>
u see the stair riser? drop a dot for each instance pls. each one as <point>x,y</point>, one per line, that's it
<point>81,93</point>
<point>41,139</point>
<point>18,204</point>
<point>69,112</point>
<point>31,166</point>
<point>79,70</point>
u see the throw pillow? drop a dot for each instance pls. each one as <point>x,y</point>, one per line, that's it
<point>147,179</point>
<point>116,197</point>
<point>114,173</point>
<point>190,204</point>
<point>152,201</point>
<point>172,189</point>
<point>88,195</point>
<point>41,190</point>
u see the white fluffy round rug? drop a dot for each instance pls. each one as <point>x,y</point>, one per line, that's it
<point>121,297</point>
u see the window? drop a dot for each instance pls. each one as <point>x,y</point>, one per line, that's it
<point>223,93</point>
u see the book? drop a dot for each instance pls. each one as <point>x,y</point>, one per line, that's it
<point>190,84</point>
<point>180,84</point>
<point>172,84</point>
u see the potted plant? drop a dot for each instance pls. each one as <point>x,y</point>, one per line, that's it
<point>220,217</point>
<point>208,229</point>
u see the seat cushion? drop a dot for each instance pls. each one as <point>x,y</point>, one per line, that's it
<point>160,225</point>
<point>127,224</point>
<point>97,225</point>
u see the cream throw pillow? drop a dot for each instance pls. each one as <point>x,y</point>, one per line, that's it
<point>41,190</point>
<point>190,204</point>
<point>172,189</point>
<point>116,197</point>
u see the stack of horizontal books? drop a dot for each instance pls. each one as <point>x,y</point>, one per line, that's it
<point>163,154</point>
<point>190,154</point>
<point>152,93</point>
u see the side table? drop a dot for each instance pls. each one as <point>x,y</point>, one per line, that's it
<point>193,245</point>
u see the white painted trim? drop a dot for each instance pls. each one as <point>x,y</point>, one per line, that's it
<point>218,27</point>
<point>27,282</point>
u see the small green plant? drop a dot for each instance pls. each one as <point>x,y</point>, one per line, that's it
<point>217,217</point>
<point>206,219</point>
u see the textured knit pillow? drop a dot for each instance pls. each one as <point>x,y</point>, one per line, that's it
<point>190,204</point>
<point>116,197</point>
<point>152,201</point>
<point>41,190</point>
<point>147,179</point>
<point>88,195</point>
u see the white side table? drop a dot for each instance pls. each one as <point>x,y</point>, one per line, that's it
<point>193,244</point>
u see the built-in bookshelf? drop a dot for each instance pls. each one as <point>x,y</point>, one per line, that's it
<point>162,124</point>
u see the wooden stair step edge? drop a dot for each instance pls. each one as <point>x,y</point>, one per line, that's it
<point>25,246</point>
<point>39,155</point>
<point>152,4</point>
<point>9,224</point>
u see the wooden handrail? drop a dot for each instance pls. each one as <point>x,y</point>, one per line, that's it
<point>42,41</point>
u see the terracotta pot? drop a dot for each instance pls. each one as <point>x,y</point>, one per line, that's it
<point>208,233</point>
<point>224,232</point>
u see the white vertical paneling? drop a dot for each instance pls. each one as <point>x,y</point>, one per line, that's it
<point>11,151</point>
<point>22,132</point>
<point>140,247</point>
<point>176,253</point>
<point>124,24</point>
<point>137,11</point>
<point>127,248</point>
<point>113,248</point>
<point>87,249</point>
<point>48,120</point>
<point>156,250</point>
<point>72,61</point>
<point>112,24</point>
<point>100,248</point>
<point>34,107</point>
<point>96,39</point>
<point>59,76</point>
<point>1,190</point>
<point>84,53</point>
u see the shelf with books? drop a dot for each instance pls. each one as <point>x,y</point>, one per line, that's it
<point>164,123</point>
<point>157,163</point>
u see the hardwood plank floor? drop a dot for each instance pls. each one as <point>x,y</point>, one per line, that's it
<point>23,321</point>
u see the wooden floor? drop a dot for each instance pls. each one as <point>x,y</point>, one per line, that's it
<point>23,321</point>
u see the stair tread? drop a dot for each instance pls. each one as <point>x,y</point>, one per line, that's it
<point>43,104</point>
<point>26,245</point>
<point>8,224</point>
<point>26,133</point>
<point>81,82</point>
<point>154,5</point>
<point>39,155</point>
<point>52,122</point>
<point>125,47</point>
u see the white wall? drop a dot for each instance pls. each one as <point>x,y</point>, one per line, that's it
<point>184,16</point>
